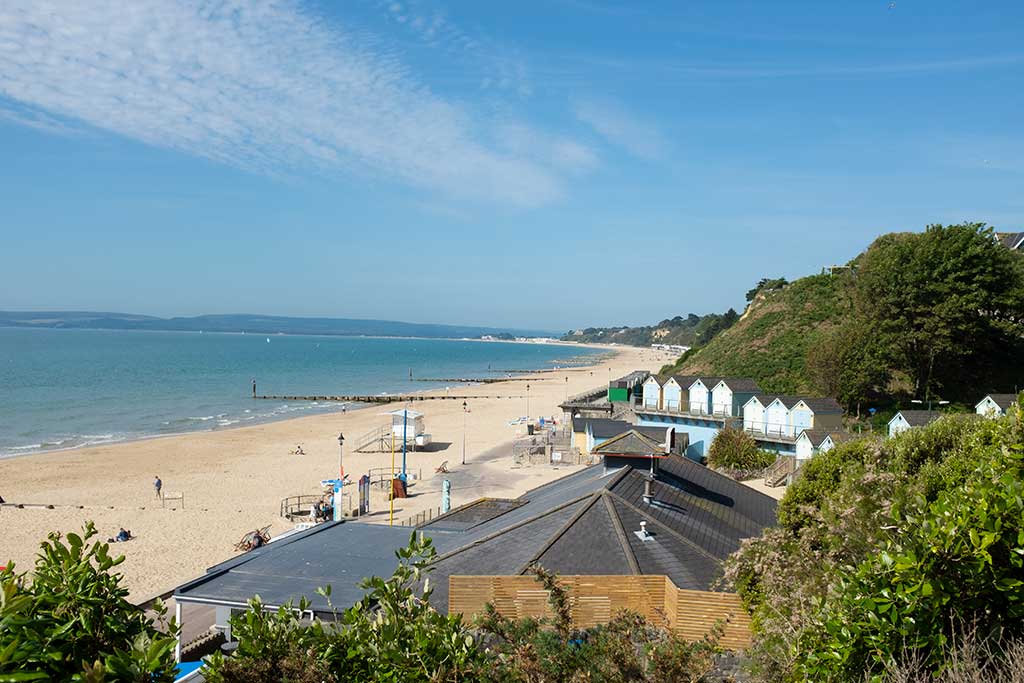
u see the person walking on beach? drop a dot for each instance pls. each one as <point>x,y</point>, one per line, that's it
<point>157,485</point>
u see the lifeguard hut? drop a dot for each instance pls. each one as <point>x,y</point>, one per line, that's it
<point>405,422</point>
<point>408,424</point>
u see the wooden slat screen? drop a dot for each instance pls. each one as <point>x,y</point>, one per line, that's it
<point>596,599</point>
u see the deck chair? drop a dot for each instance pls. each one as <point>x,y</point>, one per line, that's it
<point>442,468</point>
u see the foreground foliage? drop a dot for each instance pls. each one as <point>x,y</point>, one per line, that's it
<point>394,635</point>
<point>890,548</point>
<point>71,620</point>
<point>735,450</point>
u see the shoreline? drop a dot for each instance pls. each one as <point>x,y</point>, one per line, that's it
<point>233,479</point>
<point>341,406</point>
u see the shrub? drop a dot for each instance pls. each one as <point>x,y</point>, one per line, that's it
<point>71,620</point>
<point>957,560</point>
<point>734,449</point>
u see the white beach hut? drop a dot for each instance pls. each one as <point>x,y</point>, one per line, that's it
<point>652,392</point>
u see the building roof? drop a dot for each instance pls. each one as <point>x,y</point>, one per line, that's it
<point>1013,240</point>
<point>815,436</point>
<point>1004,401</point>
<point>660,379</point>
<point>708,382</point>
<point>820,405</point>
<point>633,442</point>
<point>408,412</point>
<point>585,524</point>
<point>602,428</point>
<point>335,554</point>
<point>684,381</point>
<point>843,437</point>
<point>741,384</point>
<point>917,418</point>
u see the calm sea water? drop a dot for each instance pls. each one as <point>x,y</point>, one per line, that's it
<point>69,388</point>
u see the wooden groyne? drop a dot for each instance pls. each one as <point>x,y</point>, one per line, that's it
<point>389,398</point>
<point>478,380</point>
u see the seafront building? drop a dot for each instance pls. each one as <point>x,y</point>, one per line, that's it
<point>995,405</point>
<point>657,522</point>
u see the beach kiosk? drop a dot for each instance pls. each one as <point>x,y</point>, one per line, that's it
<point>408,424</point>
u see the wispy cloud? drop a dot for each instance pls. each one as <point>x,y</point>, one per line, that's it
<point>619,127</point>
<point>264,86</point>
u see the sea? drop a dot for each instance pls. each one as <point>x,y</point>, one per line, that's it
<point>63,389</point>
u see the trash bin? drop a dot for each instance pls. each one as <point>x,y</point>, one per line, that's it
<point>529,429</point>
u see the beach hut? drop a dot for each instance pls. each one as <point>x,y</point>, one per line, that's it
<point>700,395</point>
<point>729,395</point>
<point>995,405</point>
<point>754,413</point>
<point>908,419</point>
<point>652,391</point>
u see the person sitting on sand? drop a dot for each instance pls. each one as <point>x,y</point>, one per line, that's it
<point>124,535</point>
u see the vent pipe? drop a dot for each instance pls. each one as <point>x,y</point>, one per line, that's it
<point>648,497</point>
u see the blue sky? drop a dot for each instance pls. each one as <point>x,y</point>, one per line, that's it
<point>527,164</point>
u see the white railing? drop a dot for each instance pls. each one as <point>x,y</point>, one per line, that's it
<point>776,430</point>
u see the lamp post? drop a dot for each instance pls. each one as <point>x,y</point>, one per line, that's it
<point>527,402</point>
<point>341,455</point>
<point>567,389</point>
<point>929,402</point>
<point>465,412</point>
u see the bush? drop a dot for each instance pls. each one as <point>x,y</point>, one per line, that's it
<point>886,549</point>
<point>734,449</point>
<point>957,560</point>
<point>71,620</point>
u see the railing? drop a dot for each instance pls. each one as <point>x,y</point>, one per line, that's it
<point>373,437</point>
<point>773,430</point>
<point>780,470</point>
<point>719,412</point>
<point>298,506</point>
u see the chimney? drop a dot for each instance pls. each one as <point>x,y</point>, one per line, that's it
<point>670,434</point>
<point>648,498</point>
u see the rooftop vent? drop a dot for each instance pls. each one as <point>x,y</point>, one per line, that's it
<point>648,496</point>
<point>643,534</point>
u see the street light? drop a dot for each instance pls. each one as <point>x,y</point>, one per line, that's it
<point>527,402</point>
<point>341,454</point>
<point>567,389</point>
<point>939,403</point>
<point>465,412</point>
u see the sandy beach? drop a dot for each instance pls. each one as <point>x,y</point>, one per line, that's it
<point>233,480</point>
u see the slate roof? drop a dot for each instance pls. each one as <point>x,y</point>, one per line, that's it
<point>740,384</point>
<point>338,554</point>
<point>1004,401</point>
<point>585,524</point>
<point>602,427</point>
<point>843,437</point>
<point>708,382</point>
<point>816,436</point>
<point>632,442</point>
<point>684,381</point>
<point>821,405</point>
<point>918,418</point>
<point>660,379</point>
<point>1013,240</point>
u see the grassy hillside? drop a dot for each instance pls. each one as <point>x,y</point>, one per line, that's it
<point>771,339</point>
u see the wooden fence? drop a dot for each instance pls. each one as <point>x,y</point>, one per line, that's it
<point>595,599</point>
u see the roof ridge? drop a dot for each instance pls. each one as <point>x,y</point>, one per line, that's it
<point>620,532</point>
<point>561,532</point>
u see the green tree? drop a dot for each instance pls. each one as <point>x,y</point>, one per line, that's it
<point>947,305</point>
<point>734,449</point>
<point>71,620</point>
